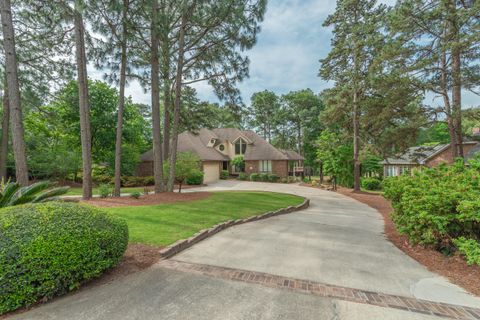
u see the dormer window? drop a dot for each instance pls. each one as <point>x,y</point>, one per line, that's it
<point>211,143</point>
<point>240,147</point>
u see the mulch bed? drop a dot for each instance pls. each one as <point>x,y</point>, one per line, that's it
<point>151,199</point>
<point>454,267</point>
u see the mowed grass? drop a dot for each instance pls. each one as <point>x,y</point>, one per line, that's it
<point>78,191</point>
<point>161,225</point>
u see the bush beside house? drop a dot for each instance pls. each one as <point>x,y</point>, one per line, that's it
<point>439,207</point>
<point>51,248</point>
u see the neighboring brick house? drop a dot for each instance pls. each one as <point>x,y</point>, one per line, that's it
<point>426,156</point>
<point>218,147</point>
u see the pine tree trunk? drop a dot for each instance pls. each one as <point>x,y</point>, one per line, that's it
<point>16,118</point>
<point>121,104</point>
<point>4,141</point>
<point>84,109</point>
<point>166,117</point>
<point>157,137</point>
<point>177,104</point>
<point>448,109</point>
<point>356,143</point>
<point>457,91</point>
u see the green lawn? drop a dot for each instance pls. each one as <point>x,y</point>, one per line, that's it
<point>78,191</point>
<point>164,224</point>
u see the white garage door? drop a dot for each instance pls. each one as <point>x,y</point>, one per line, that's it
<point>211,172</point>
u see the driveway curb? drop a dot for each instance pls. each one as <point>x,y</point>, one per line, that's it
<point>181,245</point>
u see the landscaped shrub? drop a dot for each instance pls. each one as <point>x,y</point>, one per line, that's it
<point>224,175</point>
<point>135,194</point>
<point>263,177</point>
<point>195,177</point>
<point>371,183</point>
<point>255,177</point>
<point>148,181</point>
<point>242,176</point>
<point>51,248</point>
<point>104,190</point>
<point>439,207</point>
<point>12,194</point>
<point>272,177</point>
<point>284,180</point>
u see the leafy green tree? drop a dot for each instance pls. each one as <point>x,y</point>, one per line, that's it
<point>264,112</point>
<point>356,41</point>
<point>438,42</point>
<point>434,134</point>
<point>302,112</point>
<point>336,157</point>
<point>187,164</point>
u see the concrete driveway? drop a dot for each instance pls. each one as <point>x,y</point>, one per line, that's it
<point>337,241</point>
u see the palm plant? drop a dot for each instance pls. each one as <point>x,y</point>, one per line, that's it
<point>12,194</point>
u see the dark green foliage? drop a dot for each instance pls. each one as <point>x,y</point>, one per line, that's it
<point>51,248</point>
<point>263,177</point>
<point>105,190</point>
<point>255,177</point>
<point>239,163</point>
<point>272,177</point>
<point>195,177</point>
<point>371,183</point>
<point>135,194</point>
<point>224,175</point>
<point>435,206</point>
<point>242,176</point>
<point>11,194</point>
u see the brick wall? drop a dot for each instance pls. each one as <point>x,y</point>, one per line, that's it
<point>447,156</point>
<point>251,166</point>
<point>280,168</point>
<point>144,169</point>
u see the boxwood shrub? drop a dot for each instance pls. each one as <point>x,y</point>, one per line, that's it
<point>195,177</point>
<point>50,248</point>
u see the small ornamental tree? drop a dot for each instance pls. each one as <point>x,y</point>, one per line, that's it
<point>239,163</point>
<point>187,164</point>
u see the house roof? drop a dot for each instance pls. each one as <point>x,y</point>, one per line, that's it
<point>257,147</point>
<point>473,152</point>
<point>420,154</point>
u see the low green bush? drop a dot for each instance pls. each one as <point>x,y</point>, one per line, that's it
<point>263,177</point>
<point>371,183</point>
<point>470,248</point>
<point>255,177</point>
<point>284,180</point>
<point>242,176</point>
<point>439,207</point>
<point>135,194</point>
<point>272,177</point>
<point>224,175</point>
<point>102,179</point>
<point>195,177</point>
<point>51,248</point>
<point>104,190</point>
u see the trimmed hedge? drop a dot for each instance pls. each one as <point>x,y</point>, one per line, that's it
<point>439,207</point>
<point>371,183</point>
<point>51,248</point>
<point>195,177</point>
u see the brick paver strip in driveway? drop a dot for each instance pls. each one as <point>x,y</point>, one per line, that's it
<point>329,291</point>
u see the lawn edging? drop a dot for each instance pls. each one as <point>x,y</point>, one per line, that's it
<point>181,245</point>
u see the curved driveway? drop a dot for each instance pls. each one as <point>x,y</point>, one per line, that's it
<point>337,240</point>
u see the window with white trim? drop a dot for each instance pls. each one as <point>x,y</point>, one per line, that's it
<point>391,171</point>
<point>404,170</point>
<point>265,166</point>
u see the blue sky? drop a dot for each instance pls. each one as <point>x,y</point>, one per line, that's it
<point>286,56</point>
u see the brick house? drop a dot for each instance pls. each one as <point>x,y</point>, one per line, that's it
<point>218,147</point>
<point>426,156</point>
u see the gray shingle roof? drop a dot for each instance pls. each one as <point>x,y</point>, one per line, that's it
<point>257,147</point>
<point>420,154</point>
